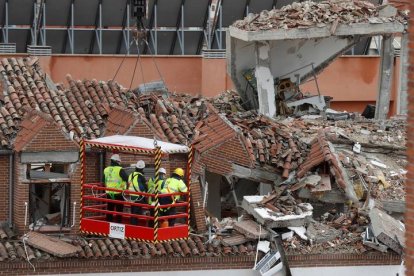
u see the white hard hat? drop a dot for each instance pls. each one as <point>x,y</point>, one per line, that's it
<point>140,164</point>
<point>162,170</point>
<point>116,157</point>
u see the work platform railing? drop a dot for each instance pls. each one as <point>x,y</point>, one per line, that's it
<point>95,210</point>
<point>96,219</point>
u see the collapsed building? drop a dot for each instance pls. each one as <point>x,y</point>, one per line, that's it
<point>322,187</point>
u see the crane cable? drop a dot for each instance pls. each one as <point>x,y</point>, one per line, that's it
<point>138,60</point>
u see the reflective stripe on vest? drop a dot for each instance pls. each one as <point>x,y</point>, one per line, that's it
<point>133,182</point>
<point>113,179</point>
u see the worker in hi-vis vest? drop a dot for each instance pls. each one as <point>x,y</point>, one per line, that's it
<point>174,184</point>
<point>151,188</point>
<point>115,177</point>
<point>136,183</point>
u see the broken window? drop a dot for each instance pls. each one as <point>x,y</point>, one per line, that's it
<point>49,198</point>
<point>49,205</point>
<point>225,195</point>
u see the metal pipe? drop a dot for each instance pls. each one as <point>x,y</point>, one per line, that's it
<point>127,44</point>
<point>25,213</point>
<point>101,165</point>
<point>44,24</point>
<point>73,215</point>
<point>72,26</point>
<point>11,192</point>
<point>6,38</point>
<point>156,29</point>
<point>182,30</point>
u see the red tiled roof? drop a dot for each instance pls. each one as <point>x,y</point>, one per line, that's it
<point>320,153</point>
<point>214,130</point>
<point>113,248</point>
<point>119,121</point>
<point>32,123</point>
<point>268,142</point>
<point>82,107</point>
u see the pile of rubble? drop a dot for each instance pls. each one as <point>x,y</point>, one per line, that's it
<point>311,14</point>
<point>269,142</point>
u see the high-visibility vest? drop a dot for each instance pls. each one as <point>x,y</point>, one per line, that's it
<point>133,182</point>
<point>173,185</point>
<point>113,179</point>
<point>152,186</point>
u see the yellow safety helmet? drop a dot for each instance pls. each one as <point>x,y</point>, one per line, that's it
<point>179,172</point>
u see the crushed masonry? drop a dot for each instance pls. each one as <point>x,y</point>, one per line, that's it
<point>319,14</point>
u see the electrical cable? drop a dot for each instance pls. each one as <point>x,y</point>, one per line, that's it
<point>27,254</point>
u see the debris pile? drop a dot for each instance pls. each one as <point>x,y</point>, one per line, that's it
<point>311,14</point>
<point>269,142</point>
<point>277,211</point>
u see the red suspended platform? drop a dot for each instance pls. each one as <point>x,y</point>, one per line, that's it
<point>150,224</point>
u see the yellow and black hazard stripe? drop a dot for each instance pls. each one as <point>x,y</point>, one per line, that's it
<point>120,148</point>
<point>83,162</point>
<point>189,165</point>
<point>157,163</point>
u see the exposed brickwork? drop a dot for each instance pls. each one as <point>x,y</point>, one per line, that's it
<point>21,194</point>
<point>127,265</point>
<point>197,211</point>
<point>50,138</point>
<point>310,260</point>
<point>409,213</point>
<point>141,129</point>
<point>400,4</point>
<point>220,159</point>
<point>4,187</point>
<point>193,263</point>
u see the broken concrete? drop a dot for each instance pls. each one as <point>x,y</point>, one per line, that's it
<point>388,230</point>
<point>251,229</point>
<point>271,219</point>
<point>51,245</point>
<point>235,239</point>
<point>319,233</point>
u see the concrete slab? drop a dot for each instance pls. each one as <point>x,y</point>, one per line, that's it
<point>264,215</point>
<point>51,245</point>
<point>387,230</point>
<point>319,233</point>
<point>251,229</point>
<point>316,32</point>
<point>235,240</point>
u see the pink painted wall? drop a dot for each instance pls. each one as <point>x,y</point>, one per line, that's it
<point>351,80</point>
<point>181,74</point>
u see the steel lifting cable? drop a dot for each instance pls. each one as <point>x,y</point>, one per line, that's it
<point>153,60</point>
<point>122,62</point>
<point>135,66</point>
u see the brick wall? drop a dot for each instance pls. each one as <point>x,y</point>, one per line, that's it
<point>193,263</point>
<point>220,159</point>
<point>409,213</point>
<point>400,4</point>
<point>197,210</point>
<point>50,138</point>
<point>140,129</point>
<point>21,194</point>
<point>4,187</point>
